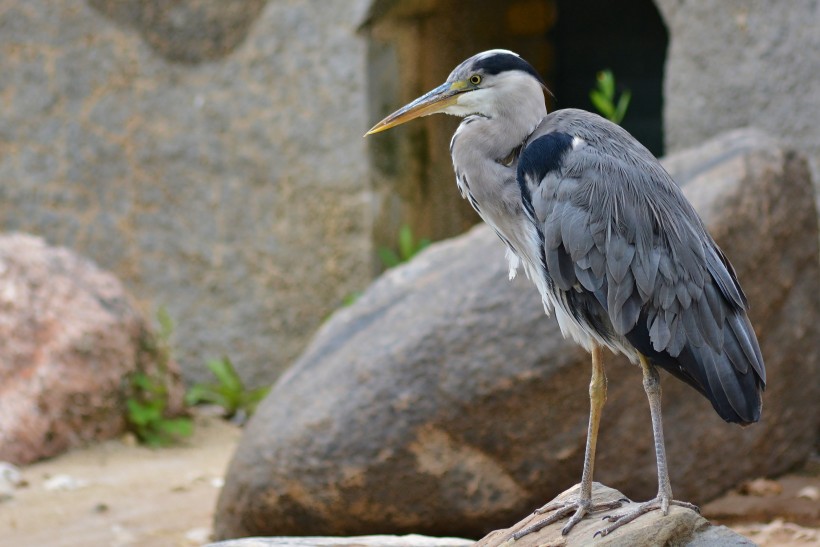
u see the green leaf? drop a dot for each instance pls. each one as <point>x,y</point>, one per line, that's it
<point>601,104</point>
<point>351,298</point>
<point>388,257</point>
<point>204,393</point>
<point>623,104</point>
<point>226,374</point>
<point>253,398</point>
<point>408,247</point>
<point>166,324</point>
<point>153,440</point>
<point>405,242</point>
<point>259,393</point>
<point>603,97</point>
<point>229,391</point>
<point>140,380</point>
<point>177,427</point>
<point>606,83</point>
<point>136,413</point>
<point>142,414</point>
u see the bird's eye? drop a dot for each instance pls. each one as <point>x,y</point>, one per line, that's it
<point>475,79</point>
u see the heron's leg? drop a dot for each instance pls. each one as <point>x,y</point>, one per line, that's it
<point>583,504</point>
<point>652,386</point>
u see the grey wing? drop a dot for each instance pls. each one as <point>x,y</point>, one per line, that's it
<point>629,256</point>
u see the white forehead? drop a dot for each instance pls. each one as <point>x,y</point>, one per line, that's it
<point>491,52</point>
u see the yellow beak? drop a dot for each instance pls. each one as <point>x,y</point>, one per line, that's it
<point>430,103</point>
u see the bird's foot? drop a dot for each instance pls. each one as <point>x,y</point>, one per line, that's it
<point>578,508</point>
<point>661,503</point>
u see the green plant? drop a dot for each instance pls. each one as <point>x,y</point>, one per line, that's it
<point>229,391</point>
<point>351,298</point>
<point>603,97</point>
<point>147,393</point>
<point>408,247</point>
<point>146,413</point>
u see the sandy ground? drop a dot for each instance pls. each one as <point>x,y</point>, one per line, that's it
<point>119,495</point>
<point>122,495</point>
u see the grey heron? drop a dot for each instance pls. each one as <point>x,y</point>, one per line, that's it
<point>610,242</point>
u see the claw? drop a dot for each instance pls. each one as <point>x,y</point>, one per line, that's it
<point>558,515</point>
<point>656,504</point>
<point>577,508</point>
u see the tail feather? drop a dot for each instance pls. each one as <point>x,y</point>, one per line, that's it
<point>731,376</point>
<point>734,372</point>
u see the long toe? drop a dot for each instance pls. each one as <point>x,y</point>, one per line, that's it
<point>560,512</point>
<point>580,513</point>
<point>549,507</point>
<point>578,508</point>
<point>685,504</point>
<point>657,504</point>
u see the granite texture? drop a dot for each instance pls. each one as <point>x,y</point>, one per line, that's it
<point>738,63</point>
<point>209,153</point>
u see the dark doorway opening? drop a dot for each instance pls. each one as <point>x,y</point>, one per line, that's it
<point>627,37</point>
<point>413,44</point>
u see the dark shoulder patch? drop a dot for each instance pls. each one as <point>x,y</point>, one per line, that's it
<point>543,155</point>
<point>502,62</point>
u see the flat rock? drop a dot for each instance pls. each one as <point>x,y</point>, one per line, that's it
<point>444,402</point>
<point>69,336</point>
<point>680,528</point>
<point>410,540</point>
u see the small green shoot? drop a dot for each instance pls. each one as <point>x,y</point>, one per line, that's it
<point>146,413</point>
<point>351,298</point>
<point>603,97</point>
<point>408,248</point>
<point>166,329</point>
<point>229,391</point>
<point>147,394</point>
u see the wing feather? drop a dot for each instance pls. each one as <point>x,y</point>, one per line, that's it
<point>616,228</point>
<point>645,273</point>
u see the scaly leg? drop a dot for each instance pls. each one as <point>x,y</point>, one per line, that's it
<point>652,386</point>
<point>583,504</point>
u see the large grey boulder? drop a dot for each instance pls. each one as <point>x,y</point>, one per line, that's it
<point>444,402</point>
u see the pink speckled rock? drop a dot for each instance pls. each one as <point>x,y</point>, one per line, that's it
<point>69,336</point>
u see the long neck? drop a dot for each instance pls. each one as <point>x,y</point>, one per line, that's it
<point>484,146</point>
<point>486,174</point>
<point>518,116</point>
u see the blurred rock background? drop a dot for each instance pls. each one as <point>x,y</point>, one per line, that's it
<point>209,152</point>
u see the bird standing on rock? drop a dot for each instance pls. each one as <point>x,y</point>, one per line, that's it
<point>610,242</point>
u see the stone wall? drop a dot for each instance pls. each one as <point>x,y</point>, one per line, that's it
<point>208,152</point>
<point>736,63</point>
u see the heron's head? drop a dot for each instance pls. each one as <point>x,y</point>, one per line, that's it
<point>485,84</point>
